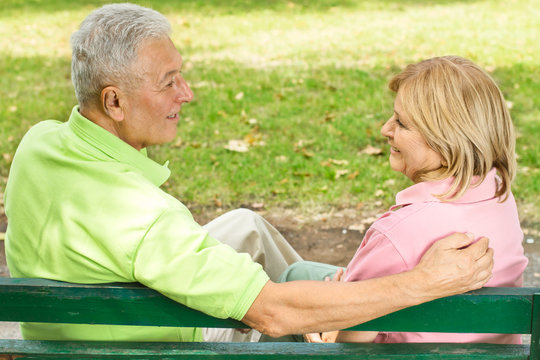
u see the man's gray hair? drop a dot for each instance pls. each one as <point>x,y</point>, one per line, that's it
<point>106,45</point>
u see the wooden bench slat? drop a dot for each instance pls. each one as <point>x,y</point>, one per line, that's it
<point>535,333</point>
<point>40,300</point>
<point>488,310</point>
<point>496,310</point>
<point>226,351</point>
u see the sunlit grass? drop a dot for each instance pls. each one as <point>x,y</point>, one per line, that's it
<point>312,75</point>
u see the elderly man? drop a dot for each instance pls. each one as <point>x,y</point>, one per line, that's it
<point>84,205</point>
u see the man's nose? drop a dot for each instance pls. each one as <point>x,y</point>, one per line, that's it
<point>185,94</point>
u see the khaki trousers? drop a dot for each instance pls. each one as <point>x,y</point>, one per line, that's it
<point>248,232</point>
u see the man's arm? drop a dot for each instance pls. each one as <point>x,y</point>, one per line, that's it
<point>449,267</point>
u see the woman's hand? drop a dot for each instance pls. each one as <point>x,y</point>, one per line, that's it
<point>330,336</point>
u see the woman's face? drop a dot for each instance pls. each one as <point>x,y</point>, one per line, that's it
<point>409,152</point>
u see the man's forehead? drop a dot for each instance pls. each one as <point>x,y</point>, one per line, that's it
<point>159,60</point>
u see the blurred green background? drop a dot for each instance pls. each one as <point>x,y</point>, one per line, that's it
<point>300,85</point>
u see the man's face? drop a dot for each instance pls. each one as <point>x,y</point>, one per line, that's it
<point>153,105</point>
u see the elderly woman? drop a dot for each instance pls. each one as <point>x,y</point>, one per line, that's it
<point>451,134</point>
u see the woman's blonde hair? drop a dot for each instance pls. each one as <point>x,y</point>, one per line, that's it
<point>462,114</point>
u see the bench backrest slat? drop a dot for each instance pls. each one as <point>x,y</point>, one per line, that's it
<point>502,310</point>
<point>39,300</point>
<point>489,310</point>
<point>535,335</point>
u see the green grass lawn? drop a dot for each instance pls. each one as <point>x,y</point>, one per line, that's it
<point>302,82</point>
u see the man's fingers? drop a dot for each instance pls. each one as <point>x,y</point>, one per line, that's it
<point>484,268</point>
<point>486,263</point>
<point>479,248</point>
<point>456,241</point>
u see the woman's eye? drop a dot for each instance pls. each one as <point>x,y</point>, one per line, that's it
<point>399,122</point>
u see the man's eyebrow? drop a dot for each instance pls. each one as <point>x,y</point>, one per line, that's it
<point>168,74</point>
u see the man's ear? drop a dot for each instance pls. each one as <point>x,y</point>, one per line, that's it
<point>111,99</point>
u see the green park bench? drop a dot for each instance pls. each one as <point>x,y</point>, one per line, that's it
<point>488,310</point>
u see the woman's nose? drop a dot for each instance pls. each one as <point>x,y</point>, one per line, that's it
<point>387,128</point>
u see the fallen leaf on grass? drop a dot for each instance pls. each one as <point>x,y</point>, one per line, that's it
<point>339,162</point>
<point>237,146</point>
<point>371,150</point>
<point>301,144</point>
<point>307,154</point>
<point>257,206</point>
<point>7,157</point>
<point>334,162</point>
<point>353,175</point>
<point>282,159</point>
<point>340,173</point>
<point>217,201</point>
<point>178,143</point>
<point>253,138</point>
<point>328,116</point>
<point>326,163</point>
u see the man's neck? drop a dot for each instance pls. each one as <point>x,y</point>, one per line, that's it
<point>99,118</point>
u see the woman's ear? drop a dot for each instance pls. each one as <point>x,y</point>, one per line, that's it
<point>111,97</point>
